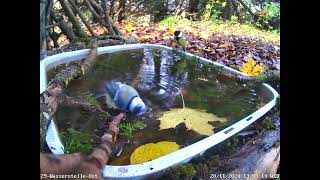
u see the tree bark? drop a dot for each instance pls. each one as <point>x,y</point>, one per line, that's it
<point>53,96</point>
<point>108,19</point>
<point>96,6</point>
<point>99,18</point>
<point>63,25</point>
<point>236,10</point>
<point>273,76</point>
<point>111,13</point>
<point>193,6</point>
<point>82,17</point>
<point>72,18</point>
<point>228,10</point>
<point>122,10</point>
<point>77,163</point>
<point>54,36</point>
<point>43,41</point>
<point>246,8</point>
<point>48,11</point>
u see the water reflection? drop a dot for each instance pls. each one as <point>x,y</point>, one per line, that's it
<point>157,78</point>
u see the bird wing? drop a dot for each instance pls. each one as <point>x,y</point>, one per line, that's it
<point>183,41</point>
<point>175,41</point>
<point>112,87</point>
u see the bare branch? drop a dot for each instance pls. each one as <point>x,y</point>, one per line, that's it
<point>82,17</point>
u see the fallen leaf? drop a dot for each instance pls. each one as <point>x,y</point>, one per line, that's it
<point>151,151</point>
<point>194,119</point>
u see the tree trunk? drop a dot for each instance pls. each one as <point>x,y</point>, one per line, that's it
<point>96,6</point>
<point>82,17</point>
<point>54,36</point>
<point>236,10</point>
<point>63,25</point>
<point>72,18</point>
<point>122,10</point>
<point>246,8</point>
<point>43,41</point>
<point>48,11</point>
<point>111,13</point>
<point>193,6</point>
<point>228,10</point>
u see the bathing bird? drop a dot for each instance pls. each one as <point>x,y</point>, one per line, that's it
<point>124,97</point>
<point>180,39</point>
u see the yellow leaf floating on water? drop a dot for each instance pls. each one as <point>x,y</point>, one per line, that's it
<point>152,151</point>
<point>194,119</point>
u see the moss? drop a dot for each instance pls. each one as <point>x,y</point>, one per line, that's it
<point>186,171</point>
<point>214,161</point>
<point>267,123</point>
<point>202,170</point>
<point>169,21</point>
<point>75,141</point>
<point>91,100</point>
<point>127,129</point>
<point>278,103</point>
<point>230,146</point>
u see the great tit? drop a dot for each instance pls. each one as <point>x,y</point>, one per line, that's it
<point>180,39</point>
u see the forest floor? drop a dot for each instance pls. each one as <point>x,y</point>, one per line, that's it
<point>229,44</point>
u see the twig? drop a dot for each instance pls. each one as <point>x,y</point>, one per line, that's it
<point>53,25</point>
<point>82,17</point>
<point>181,97</point>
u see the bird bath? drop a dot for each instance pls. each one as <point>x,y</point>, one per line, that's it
<point>147,85</point>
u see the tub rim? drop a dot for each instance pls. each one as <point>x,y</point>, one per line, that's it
<point>155,166</point>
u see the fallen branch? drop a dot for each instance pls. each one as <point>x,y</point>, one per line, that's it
<point>53,96</point>
<point>77,163</point>
<point>273,76</point>
<point>82,104</point>
<point>109,42</point>
<point>102,40</point>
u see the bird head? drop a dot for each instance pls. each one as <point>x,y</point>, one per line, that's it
<point>178,33</point>
<point>137,106</point>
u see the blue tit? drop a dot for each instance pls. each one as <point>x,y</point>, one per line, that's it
<point>124,97</point>
<point>180,39</point>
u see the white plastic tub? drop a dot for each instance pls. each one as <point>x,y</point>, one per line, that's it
<point>155,167</point>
